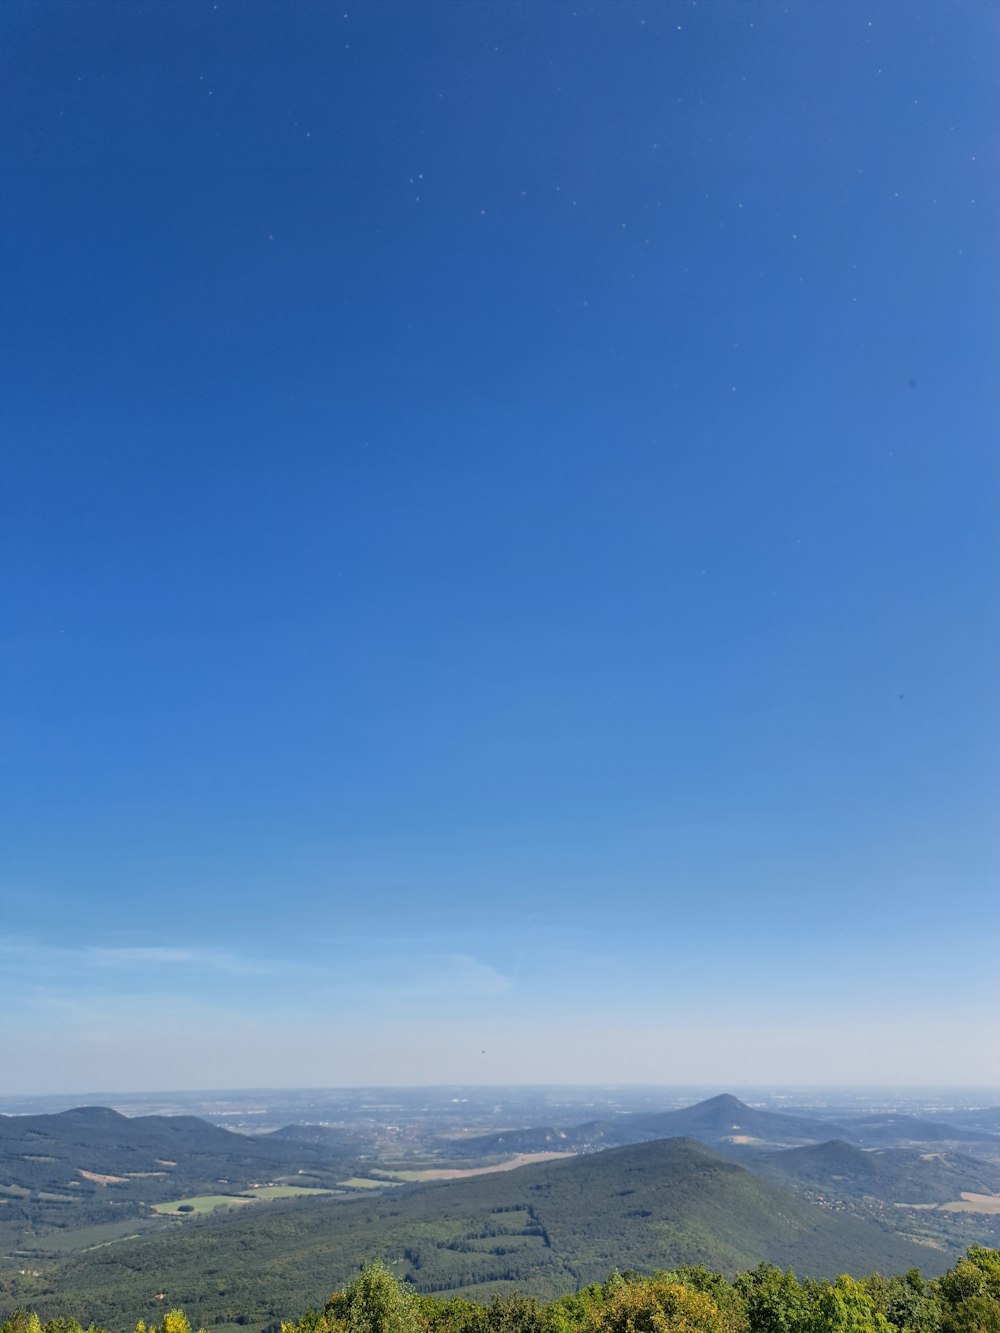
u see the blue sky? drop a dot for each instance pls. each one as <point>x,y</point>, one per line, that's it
<point>498,543</point>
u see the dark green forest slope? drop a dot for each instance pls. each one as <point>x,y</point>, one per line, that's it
<point>542,1229</point>
<point>91,1167</point>
<point>892,1175</point>
<point>148,1156</point>
<point>686,1299</point>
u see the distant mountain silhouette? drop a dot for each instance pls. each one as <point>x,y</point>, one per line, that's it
<point>145,1158</point>
<point>894,1175</point>
<point>901,1129</point>
<point>719,1120</point>
<point>984,1119</point>
<point>725,1118</point>
<point>327,1136</point>
<point>723,1121</point>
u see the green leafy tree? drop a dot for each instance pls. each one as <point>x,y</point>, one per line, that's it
<point>654,1306</point>
<point>724,1293</point>
<point>575,1311</point>
<point>450,1314</point>
<point>175,1322</point>
<point>63,1326</point>
<point>313,1321</point>
<point>970,1293</point>
<point>513,1314</point>
<point>845,1306</point>
<point>375,1302</point>
<point>907,1302</point>
<point>22,1321</point>
<point>774,1301</point>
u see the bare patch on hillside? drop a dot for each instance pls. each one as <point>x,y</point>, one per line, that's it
<point>974,1203</point>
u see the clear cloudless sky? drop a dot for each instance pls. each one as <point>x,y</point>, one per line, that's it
<point>498,543</point>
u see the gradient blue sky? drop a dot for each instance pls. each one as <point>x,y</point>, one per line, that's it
<point>499,549</point>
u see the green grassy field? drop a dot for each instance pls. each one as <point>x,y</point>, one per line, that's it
<point>209,1203</point>
<point>201,1203</point>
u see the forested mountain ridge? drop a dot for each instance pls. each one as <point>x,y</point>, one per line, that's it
<point>725,1120</point>
<point>980,1119</point>
<point>91,1166</point>
<point>893,1175</point>
<point>874,1130</point>
<point>717,1120</point>
<point>90,1176</point>
<point>47,1151</point>
<point>542,1229</point>
<point>40,1149</point>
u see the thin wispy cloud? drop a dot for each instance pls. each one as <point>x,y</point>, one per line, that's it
<point>391,969</point>
<point>222,961</point>
<point>59,962</point>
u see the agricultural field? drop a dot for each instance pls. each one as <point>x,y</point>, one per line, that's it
<point>462,1173</point>
<point>975,1203</point>
<point>201,1203</point>
<point>210,1203</point>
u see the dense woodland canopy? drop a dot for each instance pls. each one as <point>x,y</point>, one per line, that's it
<point>82,1236</point>
<point>689,1299</point>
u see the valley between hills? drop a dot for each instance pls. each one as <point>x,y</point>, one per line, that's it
<point>107,1218</point>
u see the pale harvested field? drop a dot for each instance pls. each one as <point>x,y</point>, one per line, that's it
<point>99,1179</point>
<point>975,1203</point>
<point>460,1173</point>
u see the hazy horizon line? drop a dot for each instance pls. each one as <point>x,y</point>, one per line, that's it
<point>723,1088</point>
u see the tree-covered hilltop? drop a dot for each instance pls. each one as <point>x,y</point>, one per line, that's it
<point>80,1179</point>
<point>541,1230</point>
<point>688,1299</point>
